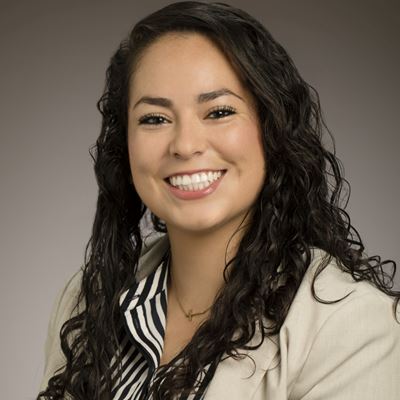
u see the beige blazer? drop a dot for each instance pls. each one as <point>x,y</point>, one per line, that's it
<point>344,351</point>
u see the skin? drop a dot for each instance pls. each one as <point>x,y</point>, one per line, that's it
<point>190,136</point>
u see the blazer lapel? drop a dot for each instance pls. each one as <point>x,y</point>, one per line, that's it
<point>235,380</point>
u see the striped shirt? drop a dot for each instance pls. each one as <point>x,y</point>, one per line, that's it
<point>144,310</point>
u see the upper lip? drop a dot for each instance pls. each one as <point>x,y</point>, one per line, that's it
<point>194,171</point>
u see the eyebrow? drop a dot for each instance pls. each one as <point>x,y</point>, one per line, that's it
<point>201,98</point>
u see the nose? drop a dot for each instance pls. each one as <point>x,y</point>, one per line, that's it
<point>188,139</point>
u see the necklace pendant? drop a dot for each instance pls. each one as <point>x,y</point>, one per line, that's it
<point>189,315</point>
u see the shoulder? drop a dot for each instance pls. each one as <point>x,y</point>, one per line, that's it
<point>64,306</point>
<point>328,342</point>
<point>153,249</point>
<point>67,303</point>
<point>332,284</point>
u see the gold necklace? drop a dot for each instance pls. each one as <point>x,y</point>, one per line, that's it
<point>189,315</point>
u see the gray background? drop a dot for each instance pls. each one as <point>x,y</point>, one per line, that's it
<point>52,67</point>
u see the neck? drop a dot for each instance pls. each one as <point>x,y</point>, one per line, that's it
<point>197,264</point>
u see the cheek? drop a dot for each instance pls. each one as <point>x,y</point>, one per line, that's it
<point>243,144</point>
<point>140,158</point>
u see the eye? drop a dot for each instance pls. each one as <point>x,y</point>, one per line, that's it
<point>158,119</point>
<point>222,111</point>
<point>152,119</point>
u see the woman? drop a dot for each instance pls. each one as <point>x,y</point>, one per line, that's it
<point>256,288</point>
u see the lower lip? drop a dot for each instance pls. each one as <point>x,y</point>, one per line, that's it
<point>195,194</point>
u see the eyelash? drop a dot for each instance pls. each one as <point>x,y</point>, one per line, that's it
<point>145,119</point>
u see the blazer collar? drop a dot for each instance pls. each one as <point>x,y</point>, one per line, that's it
<point>244,375</point>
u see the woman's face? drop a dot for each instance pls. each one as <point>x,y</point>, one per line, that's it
<point>188,112</point>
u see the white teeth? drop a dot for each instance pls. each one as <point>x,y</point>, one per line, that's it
<point>197,181</point>
<point>186,180</point>
<point>204,177</point>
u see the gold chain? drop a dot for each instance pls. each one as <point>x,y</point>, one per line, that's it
<point>189,315</point>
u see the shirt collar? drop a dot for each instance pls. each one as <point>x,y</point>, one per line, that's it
<point>155,257</point>
<point>144,304</point>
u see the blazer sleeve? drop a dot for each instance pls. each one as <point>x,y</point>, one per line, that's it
<point>355,355</point>
<point>63,309</point>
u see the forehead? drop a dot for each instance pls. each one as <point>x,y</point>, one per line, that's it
<point>183,61</point>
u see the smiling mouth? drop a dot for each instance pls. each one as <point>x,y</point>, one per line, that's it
<point>195,182</point>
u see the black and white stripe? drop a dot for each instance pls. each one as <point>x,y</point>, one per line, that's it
<point>144,310</point>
